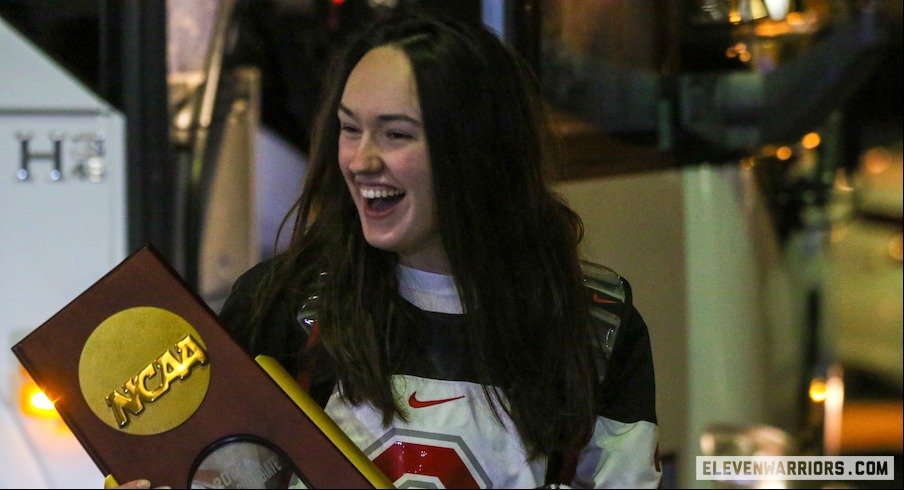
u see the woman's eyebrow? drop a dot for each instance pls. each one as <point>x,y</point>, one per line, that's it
<point>382,117</point>
<point>398,117</point>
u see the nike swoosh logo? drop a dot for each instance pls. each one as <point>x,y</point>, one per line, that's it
<point>415,403</point>
<point>601,300</point>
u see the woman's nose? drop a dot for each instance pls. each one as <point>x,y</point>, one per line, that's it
<point>368,159</point>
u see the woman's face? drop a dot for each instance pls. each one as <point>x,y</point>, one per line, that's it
<point>385,161</point>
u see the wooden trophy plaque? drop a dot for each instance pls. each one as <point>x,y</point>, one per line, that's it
<point>154,387</point>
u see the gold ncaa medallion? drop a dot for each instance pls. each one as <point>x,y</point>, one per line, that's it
<point>144,370</point>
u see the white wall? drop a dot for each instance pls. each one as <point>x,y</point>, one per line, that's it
<point>691,243</point>
<point>643,240</point>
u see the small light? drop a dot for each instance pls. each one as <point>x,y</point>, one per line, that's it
<point>784,152</point>
<point>877,160</point>
<point>810,140</point>
<point>818,392</point>
<point>795,18</point>
<point>35,402</point>
<point>834,405</point>
<point>39,401</point>
<point>183,119</point>
<point>841,181</point>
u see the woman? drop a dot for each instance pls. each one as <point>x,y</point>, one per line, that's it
<point>432,297</point>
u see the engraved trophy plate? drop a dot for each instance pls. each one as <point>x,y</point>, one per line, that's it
<point>245,462</point>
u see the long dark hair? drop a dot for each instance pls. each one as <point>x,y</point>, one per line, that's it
<point>511,244</point>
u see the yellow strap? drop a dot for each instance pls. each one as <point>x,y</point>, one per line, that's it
<point>323,422</point>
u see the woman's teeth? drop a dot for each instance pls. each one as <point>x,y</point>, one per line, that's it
<point>382,199</point>
<point>379,193</point>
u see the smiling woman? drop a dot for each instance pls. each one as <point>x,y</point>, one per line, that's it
<point>384,159</point>
<point>432,298</point>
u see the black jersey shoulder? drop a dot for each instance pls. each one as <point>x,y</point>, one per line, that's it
<point>624,360</point>
<point>609,296</point>
<point>282,337</point>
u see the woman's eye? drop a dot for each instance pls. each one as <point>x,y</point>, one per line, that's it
<point>398,135</point>
<point>348,129</point>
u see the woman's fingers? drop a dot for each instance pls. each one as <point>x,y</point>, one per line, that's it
<point>136,484</point>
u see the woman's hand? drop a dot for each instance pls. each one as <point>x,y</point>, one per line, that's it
<point>137,484</point>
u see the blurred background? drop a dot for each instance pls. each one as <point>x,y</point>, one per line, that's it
<point>739,161</point>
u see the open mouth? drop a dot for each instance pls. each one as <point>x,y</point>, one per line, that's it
<point>380,200</point>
